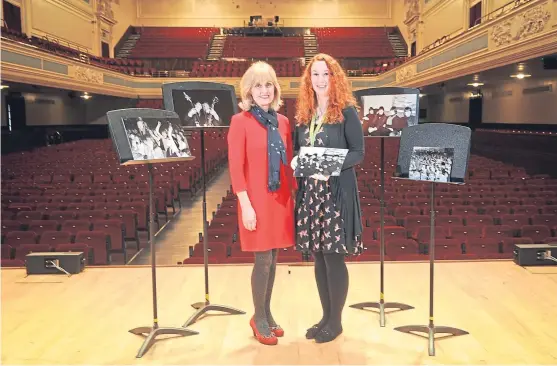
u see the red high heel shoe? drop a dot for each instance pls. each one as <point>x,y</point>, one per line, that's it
<point>266,340</point>
<point>278,331</point>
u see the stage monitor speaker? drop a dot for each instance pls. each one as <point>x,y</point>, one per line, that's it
<point>535,254</point>
<point>55,263</point>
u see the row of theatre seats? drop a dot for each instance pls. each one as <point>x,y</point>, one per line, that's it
<point>173,42</point>
<point>236,69</point>
<point>124,65</point>
<point>499,206</point>
<point>263,47</point>
<point>354,42</point>
<point>193,43</point>
<point>65,49</point>
<point>77,197</point>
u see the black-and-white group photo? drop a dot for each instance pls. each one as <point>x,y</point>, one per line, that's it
<point>432,164</point>
<point>387,115</point>
<point>156,138</point>
<point>203,108</point>
<point>320,160</point>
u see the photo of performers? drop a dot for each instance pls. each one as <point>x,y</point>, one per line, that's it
<point>203,108</point>
<point>387,115</point>
<point>432,164</point>
<point>156,138</point>
<point>318,160</point>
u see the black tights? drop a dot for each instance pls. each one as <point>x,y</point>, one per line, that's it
<point>331,276</point>
<point>262,281</point>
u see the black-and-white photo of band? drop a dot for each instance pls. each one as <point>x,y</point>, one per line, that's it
<point>203,108</point>
<point>432,164</point>
<point>156,138</point>
<point>320,160</point>
<point>387,115</point>
<point>203,114</point>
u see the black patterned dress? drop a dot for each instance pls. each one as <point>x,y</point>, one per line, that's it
<point>319,223</point>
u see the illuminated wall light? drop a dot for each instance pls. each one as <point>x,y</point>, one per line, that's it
<point>475,84</point>
<point>86,96</point>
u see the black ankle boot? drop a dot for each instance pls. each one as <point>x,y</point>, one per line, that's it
<point>312,332</point>
<point>327,334</point>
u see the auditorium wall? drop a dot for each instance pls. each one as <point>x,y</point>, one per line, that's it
<point>443,18</point>
<point>292,13</point>
<point>63,108</point>
<point>512,102</point>
<point>4,118</point>
<point>68,19</point>
<point>398,16</point>
<point>529,101</point>
<point>452,107</point>
<point>125,13</point>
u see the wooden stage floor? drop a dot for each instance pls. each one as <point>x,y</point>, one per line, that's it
<point>510,312</point>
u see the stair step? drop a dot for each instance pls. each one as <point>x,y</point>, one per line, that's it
<point>216,47</point>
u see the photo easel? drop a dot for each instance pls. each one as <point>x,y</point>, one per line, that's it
<point>436,136</point>
<point>381,305</point>
<point>168,89</point>
<point>123,149</point>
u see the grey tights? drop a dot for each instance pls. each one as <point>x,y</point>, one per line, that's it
<point>262,281</point>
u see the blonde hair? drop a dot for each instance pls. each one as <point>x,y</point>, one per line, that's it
<point>258,73</point>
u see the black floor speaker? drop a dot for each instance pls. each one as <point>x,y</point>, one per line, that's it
<point>55,263</point>
<point>535,254</point>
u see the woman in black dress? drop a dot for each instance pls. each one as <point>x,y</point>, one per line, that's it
<point>328,215</point>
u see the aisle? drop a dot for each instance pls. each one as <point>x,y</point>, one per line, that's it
<point>174,239</point>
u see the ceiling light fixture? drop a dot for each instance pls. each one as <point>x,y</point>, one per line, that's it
<point>521,75</point>
<point>476,84</point>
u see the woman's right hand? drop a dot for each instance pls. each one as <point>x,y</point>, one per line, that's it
<point>294,163</point>
<point>248,218</point>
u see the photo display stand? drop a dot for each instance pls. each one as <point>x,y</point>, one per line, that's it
<point>436,153</point>
<point>148,136</point>
<point>386,111</point>
<point>200,106</point>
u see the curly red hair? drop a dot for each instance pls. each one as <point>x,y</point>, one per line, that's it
<point>340,95</point>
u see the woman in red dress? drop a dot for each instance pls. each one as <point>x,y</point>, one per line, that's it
<point>259,155</point>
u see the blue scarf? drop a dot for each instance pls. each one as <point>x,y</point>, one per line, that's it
<point>276,153</point>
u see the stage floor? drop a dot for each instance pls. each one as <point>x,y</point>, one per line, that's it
<point>509,311</point>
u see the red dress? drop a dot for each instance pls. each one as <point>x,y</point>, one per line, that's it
<point>247,160</point>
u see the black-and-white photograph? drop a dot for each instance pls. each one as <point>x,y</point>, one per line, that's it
<point>156,138</point>
<point>320,160</point>
<point>387,115</point>
<point>203,108</point>
<point>432,164</point>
